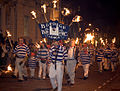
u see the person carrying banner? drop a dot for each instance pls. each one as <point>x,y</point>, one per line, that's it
<point>56,66</point>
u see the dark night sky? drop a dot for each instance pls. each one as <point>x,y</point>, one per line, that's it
<point>101,13</point>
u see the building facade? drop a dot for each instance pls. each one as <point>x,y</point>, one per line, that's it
<point>15,17</point>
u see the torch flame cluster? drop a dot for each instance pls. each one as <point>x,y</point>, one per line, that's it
<point>88,37</point>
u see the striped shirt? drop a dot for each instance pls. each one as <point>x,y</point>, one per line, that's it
<point>99,56</point>
<point>21,50</point>
<point>108,53</point>
<point>85,57</point>
<point>32,62</point>
<point>42,53</point>
<point>59,51</point>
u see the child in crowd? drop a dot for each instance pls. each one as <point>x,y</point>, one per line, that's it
<point>32,65</point>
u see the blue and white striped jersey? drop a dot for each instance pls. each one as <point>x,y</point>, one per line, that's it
<point>99,56</point>
<point>42,53</point>
<point>32,62</point>
<point>107,53</point>
<point>85,57</point>
<point>59,51</point>
<point>21,50</point>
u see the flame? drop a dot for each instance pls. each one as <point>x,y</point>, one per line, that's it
<point>9,68</point>
<point>96,42</point>
<point>34,14</point>
<point>90,24</point>
<point>37,45</point>
<point>87,29</point>
<point>76,42</point>
<point>66,12</point>
<point>106,41</point>
<point>102,41</point>
<point>44,7</point>
<point>44,40</point>
<point>54,3</point>
<point>114,40</point>
<point>76,19</point>
<point>88,37</point>
<point>8,33</point>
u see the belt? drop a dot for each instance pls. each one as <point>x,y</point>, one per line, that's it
<point>70,59</point>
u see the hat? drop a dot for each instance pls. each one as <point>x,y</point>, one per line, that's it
<point>32,54</point>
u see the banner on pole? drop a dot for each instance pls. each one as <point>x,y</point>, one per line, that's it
<point>54,30</point>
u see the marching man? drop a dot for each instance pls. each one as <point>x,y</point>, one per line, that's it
<point>21,51</point>
<point>56,66</point>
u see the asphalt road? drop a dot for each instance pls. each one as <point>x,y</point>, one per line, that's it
<point>105,81</point>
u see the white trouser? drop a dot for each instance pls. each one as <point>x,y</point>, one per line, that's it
<point>16,69</point>
<point>71,64</point>
<point>42,68</point>
<point>22,70</point>
<point>32,72</point>
<point>100,65</point>
<point>86,69</point>
<point>56,76</point>
<point>106,64</point>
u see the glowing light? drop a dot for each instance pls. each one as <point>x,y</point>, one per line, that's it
<point>102,41</point>
<point>87,29</point>
<point>37,45</point>
<point>90,24</point>
<point>54,4</point>
<point>44,40</point>
<point>34,14</point>
<point>114,40</point>
<point>8,33</point>
<point>44,7</point>
<point>66,11</point>
<point>9,68</point>
<point>88,37</point>
<point>106,41</point>
<point>76,42</point>
<point>96,42</point>
<point>76,18</point>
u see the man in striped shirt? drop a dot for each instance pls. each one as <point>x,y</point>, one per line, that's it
<point>85,60</point>
<point>42,56</point>
<point>56,66</point>
<point>21,51</point>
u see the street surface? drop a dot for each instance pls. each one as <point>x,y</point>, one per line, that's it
<point>105,81</point>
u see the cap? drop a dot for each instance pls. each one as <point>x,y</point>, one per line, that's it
<point>32,54</point>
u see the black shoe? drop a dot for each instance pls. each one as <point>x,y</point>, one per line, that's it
<point>55,89</point>
<point>68,82</point>
<point>20,80</point>
<point>13,76</point>
<point>71,84</point>
<point>85,78</point>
